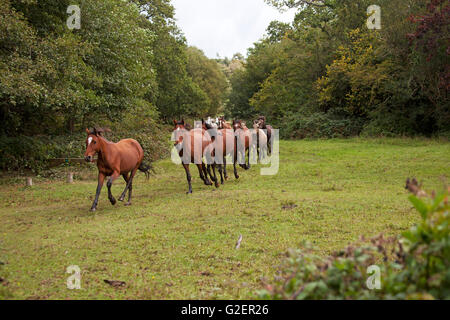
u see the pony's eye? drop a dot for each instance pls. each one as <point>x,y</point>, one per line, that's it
<point>95,142</point>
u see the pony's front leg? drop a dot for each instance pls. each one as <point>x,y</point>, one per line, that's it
<point>101,179</point>
<point>188,177</point>
<point>213,176</point>
<point>225,168</point>
<point>111,198</point>
<point>234,165</point>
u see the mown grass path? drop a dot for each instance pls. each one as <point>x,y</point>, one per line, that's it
<point>170,245</point>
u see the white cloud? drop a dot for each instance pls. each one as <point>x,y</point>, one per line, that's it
<point>225,26</point>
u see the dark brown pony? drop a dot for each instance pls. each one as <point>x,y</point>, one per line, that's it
<point>263,125</point>
<point>114,159</point>
<point>202,139</point>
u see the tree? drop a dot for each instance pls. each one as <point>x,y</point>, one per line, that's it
<point>206,73</point>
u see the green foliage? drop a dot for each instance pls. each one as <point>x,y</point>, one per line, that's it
<point>125,68</point>
<point>247,81</point>
<point>393,80</point>
<point>206,73</point>
<point>74,77</point>
<point>413,266</point>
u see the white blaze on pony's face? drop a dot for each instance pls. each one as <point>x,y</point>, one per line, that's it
<point>92,146</point>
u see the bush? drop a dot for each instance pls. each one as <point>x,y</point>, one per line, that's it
<point>415,265</point>
<point>32,153</point>
<point>318,125</point>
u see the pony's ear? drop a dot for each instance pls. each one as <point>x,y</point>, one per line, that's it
<point>88,131</point>
<point>182,121</point>
<point>101,131</point>
<point>203,120</point>
<point>175,122</point>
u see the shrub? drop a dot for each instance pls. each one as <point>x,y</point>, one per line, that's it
<point>415,265</point>
<point>318,125</point>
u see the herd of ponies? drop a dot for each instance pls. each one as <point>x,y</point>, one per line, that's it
<point>216,139</point>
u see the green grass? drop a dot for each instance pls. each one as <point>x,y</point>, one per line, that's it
<point>170,245</point>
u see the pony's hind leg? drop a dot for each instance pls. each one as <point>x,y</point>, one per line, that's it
<point>203,174</point>
<point>124,193</point>
<point>130,187</point>
<point>225,168</point>
<point>221,173</point>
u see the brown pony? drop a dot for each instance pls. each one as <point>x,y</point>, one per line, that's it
<point>260,147</point>
<point>223,124</point>
<point>262,125</point>
<point>198,137</point>
<point>114,159</point>
<point>222,140</point>
<point>244,137</point>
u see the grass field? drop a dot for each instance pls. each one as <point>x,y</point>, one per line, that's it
<point>170,245</point>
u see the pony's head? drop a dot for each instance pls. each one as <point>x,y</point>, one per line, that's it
<point>221,122</point>
<point>179,130</point>
<point>92,143</point>
<point>261,122</point>
<point>207,126</point>
<point>237,124</point>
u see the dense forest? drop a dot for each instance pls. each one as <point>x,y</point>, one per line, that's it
<point>327,74</point>
<point>128,67</point>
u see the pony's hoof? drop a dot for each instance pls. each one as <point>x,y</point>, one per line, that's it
<point>217,185</point>
<point>121,199</point>
<point>127,204</point>
<point>93,209</point>
<point>189,192</point>
<point>113,201</point>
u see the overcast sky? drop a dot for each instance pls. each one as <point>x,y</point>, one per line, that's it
<point>225,26</point>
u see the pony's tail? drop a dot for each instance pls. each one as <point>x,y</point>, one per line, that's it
<point>146,168</point>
